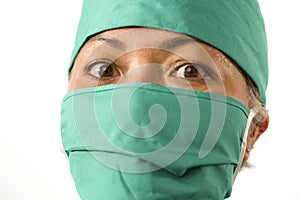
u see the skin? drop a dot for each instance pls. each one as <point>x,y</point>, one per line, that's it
<point>163,57</point>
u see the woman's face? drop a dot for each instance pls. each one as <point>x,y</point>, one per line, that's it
<point>156,56</point>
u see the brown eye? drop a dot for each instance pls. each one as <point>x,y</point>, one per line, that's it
<point>103,70</point>
<point>191,71</point>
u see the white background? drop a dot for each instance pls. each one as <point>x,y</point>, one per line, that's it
<point>36,40</point>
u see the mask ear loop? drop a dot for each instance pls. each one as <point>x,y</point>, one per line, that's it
<point>62,149</point>
<point>244,144</point>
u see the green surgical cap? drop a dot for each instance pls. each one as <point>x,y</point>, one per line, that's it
<point>235,27</point>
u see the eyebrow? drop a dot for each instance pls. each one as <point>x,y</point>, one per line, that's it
<point>111,41</point>
<point>176,42</point>
<point>167,44</point>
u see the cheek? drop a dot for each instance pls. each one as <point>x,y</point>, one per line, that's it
<point>233,80</point>
<point>79,79</point>
<point>75,73</point>
<point>77,76</point>
<point>235,86</point>
<point>72,81</point>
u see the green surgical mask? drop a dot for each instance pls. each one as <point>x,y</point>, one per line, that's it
<point>147,141</point>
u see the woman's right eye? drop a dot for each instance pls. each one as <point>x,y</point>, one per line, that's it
<point>103,70</point>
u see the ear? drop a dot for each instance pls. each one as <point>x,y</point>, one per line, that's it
<point>259,129</point>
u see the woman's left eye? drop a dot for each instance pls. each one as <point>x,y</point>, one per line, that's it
<point>190,71</point>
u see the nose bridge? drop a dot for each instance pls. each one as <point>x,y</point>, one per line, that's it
<point>145,65</point>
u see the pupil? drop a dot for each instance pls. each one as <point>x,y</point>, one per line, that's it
<point>108,71</point>
<point>191,71</point>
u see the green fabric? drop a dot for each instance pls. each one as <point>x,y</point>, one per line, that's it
<point>191,152</point>
<point>235,27</point>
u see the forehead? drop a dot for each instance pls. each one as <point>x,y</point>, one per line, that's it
<point>141,31</point>
<point>138,37</point>
<point>121,40</point>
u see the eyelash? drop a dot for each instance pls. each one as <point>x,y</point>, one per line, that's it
<point>208,75</point>
<point>104,62</point>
